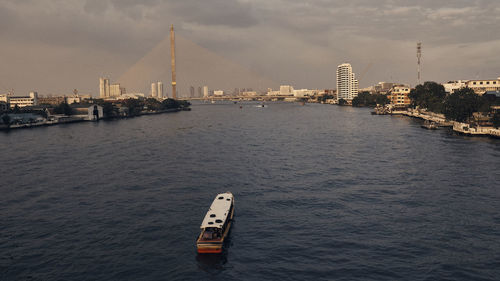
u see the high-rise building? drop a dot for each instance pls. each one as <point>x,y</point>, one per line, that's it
<point>205,91</point>
<point>153,90</point>
<point>199,92</point>
<point>191,92</point>
<point>115,90</point>
<point>347,85</point>
<point>104,88</point>
<point>160,90</point>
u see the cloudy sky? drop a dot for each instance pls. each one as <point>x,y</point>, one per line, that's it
<point>54,46</point>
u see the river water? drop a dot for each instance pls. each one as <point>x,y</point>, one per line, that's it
<point>321,193</point>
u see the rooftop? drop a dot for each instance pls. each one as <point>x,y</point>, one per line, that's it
<point>219,210</point>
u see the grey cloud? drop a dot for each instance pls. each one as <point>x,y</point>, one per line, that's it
<point>216,12</point>
<point>289,40</point>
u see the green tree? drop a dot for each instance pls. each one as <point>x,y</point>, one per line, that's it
<point>342,102</point>
<point>460,105</point>
<point>6,119</point>
<point>134,106</point>
<point>16,109</point>
<point>170,103</point>
<point>108,109</point>
<point>381,99</point>
<point>430,95</point>
<point>152,104</point>
<point>63,108</point>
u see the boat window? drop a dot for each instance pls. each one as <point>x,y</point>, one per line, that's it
<point>218,221</point>
<point>210,222</point>
<point>221,198</point>
<point>228,199</point>
<point>212,215</point>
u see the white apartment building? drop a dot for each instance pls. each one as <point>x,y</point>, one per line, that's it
<point>205,91</point>
<point>160,90</point>
<point>103,88</point>
<point>452,86</point>
<point>153,90</point>
<point>347,85</point>
<point>24,101</point>
<point>115,90</point>
<point>482,86</point>
<point>286,90</point>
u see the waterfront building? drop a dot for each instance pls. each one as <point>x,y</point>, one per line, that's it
<point>347,85</point>
<point>399,95</point>
<point>89,113</point>
<point>218,93</point>
<point>31,100</point>
<point>199,92</point>
<point>205,91</point>
<point>160,90</point>
<point>104,88</point>
<point>153,90</point>
<point>482,86</point>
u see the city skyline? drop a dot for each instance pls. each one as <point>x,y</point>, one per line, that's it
<point>76,42</point>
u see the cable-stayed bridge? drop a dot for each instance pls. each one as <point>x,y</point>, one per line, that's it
<point>196,67</point>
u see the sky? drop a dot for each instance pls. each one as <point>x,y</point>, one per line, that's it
<point>55,46</point>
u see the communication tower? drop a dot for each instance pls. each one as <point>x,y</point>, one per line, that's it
<point>419,55</point>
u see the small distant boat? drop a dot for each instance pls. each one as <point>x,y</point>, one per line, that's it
<point>429,125</point>
<point>261,105</point>
<point>216,224</point>
<point>212,101</point>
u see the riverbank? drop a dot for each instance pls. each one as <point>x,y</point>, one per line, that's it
<point>64,119</point>
<point>441,121</point>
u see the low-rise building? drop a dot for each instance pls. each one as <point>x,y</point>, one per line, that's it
<point>24,101</point>
<point>399,95</point>
<point>482,86</point>
<point>218,93</point>
<point>451,86</point>
<point>286,90</point>
<point>91,113</point>
<point>51,100</point>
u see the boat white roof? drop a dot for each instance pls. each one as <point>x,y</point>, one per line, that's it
<point>219,210</point>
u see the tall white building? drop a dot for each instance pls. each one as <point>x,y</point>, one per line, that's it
<point>104,88</point>
<point>160,90</point>
<point>115,90</point>
<point>153,90</point>
<point>347,85</point>
<point>205,91</point>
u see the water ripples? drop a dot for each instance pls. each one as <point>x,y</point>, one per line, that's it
<point>321,193</point>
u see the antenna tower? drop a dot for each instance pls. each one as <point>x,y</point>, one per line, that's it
<point>419,55</point>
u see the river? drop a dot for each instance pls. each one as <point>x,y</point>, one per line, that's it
<point>321,193</point>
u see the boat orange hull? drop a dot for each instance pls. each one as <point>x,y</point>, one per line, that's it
<point>210,250</point>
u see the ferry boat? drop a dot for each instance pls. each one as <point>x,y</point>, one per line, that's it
<point>216,224</point>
